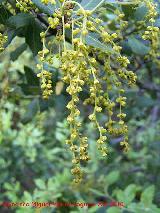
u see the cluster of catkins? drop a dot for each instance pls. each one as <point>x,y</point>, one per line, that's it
<point>81,67</point>
<point>152,33</point>
<point>44,75</point>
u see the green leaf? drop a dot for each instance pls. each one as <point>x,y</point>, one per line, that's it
<point>124,2</point>
<point>144,101</point>
<point>91,4</point>
<point>50,68</point>
<point>43,104</point>
<point>136,208</point>
<point>48,9</point>
<point>157,23</point>
<point>20,20</point>
<point>120,195</point>
<point>30,89</point>
<point>139,208</point>
<point>137,46</point>
<point>40,184</point>
<point>96,192</point>
<point>8,186</point>
<point>93,209</point>
<point>33,38</point>
<point>147,195</point>
<point>140,13</point>
<point>92,41</point>
<point>113,210</point>
<point>12,33</point>
<point>128,10</point>
<point>31,76</point>
<point>4,15</point>
<point>27,196</point>
<point>154,208</point>
<point>112,177</point>
<point>32,110</point>
<point>130,193</point>
<point>127,195</point>
<point>30,30</point>
<point>17,52</point>
<point>51,184</point>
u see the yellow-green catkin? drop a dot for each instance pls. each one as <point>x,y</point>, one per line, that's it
<point>10,8</point>
<point>44,75</point>
<point>3,40</point>
<point>152,33</point>
<point>49,1</point>
<point>24,5</point>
